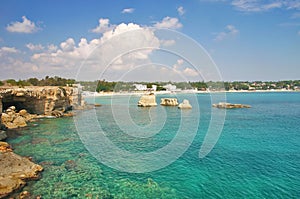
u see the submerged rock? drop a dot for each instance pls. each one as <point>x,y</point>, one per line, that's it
<point>3,135</point>
<point>147,100</point>
<point>24,195</point>
<point>168,102</point>
<point>14,170</point>
<point>185,104</point>
<point>225,105</point>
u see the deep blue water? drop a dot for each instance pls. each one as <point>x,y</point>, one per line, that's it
<point>256,156</point>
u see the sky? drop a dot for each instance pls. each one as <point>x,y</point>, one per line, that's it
<point>230,40</point>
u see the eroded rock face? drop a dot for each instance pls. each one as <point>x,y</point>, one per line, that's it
<point>225,105</point>
<point>147,100</point>
<point>14,170</point>
<point>169,102</point>
<point>40,100</point>
<point>185,104</point>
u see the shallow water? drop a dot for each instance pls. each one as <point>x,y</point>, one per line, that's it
<point>257,155</point>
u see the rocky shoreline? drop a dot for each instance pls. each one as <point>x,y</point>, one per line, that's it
<point>18,107</point>
<point>15,170</point>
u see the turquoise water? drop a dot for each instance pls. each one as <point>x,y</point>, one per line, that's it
<point>257,154</point>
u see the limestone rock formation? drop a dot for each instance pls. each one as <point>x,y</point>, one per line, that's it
<point>185,104</point>
<point>14,170</point>
<point>168,102</point>
<point>225,105</point>
<point>147,100</point>
<point>12,119</point>
<point>40,100</point>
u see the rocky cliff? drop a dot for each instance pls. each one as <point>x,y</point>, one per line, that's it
<point>20,105</point>
<point>40,100</point>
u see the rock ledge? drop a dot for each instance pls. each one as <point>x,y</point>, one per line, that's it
<point>15,170</point>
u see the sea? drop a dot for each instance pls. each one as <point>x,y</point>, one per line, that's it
<point>119,150</point>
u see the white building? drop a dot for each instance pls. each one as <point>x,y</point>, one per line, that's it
<point>140,87</point>
<point>170,87</point>
<point>154,87</point>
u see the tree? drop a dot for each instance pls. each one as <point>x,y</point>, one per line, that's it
<point>33,81</point>
<point>23,83</point>
<point>11,82</point>
<point>105,86</point>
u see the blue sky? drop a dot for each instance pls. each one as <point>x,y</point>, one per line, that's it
<point>247,39</point>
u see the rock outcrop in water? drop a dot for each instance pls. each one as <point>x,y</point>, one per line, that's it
<point>147,100</point>
<point>12,119</point>
<point>224,105</point>
<point>185,104</point>
<point>169,102</point>
<point>15,170</point>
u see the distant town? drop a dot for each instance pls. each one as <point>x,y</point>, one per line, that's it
<point>106,86</point>
<point>111,86</point>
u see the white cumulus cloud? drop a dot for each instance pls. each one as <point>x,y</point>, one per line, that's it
<point>127,10</point>
<point>33,47</point>
<point>190,72</point>
<point>8,50</point>
<point>230,31</point>
<point>26,26</point>
<point>180,10</point>
<point>124,51</point>
<point>168,22</point>
<point>52,48</point>
<point>103,26</point>
<point>179,68</point>
<point>68,45</point>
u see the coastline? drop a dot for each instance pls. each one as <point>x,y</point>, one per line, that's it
<point>106,94</point>
<point>18,108</point>
<point>71,165</point>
